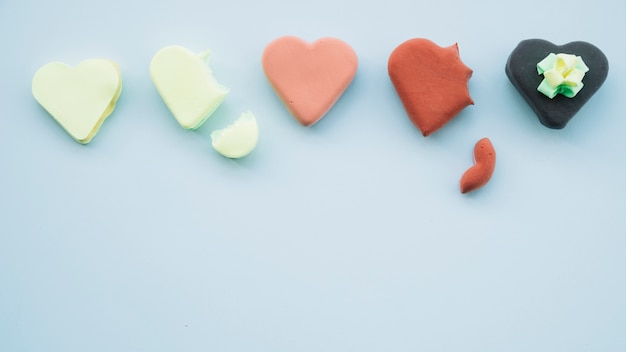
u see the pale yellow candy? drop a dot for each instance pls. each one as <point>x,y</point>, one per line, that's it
<point>239,139</point>
<point>186,84</point>
<point>565,63</point>
<point>79,98</point>
<point>574,78</point>
<point>553,77</point>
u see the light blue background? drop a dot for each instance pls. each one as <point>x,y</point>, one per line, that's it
<point>350,235</point>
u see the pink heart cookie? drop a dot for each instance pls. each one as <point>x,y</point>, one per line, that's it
<point>309,77</point>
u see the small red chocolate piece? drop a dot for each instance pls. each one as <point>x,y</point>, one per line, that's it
<point>431,82</point>
<point>484,164</point>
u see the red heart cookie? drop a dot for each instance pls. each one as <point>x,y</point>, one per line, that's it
<point>309,77</point>
<point>431,82</point>
<point>484,164</point>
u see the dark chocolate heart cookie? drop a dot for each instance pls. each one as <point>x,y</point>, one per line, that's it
<point>521,68</point>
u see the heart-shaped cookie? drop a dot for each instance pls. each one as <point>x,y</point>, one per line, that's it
<point>431,82</point>
<point>521,68</point>
<point>186,85</point>
<point>309,77</point>
<point>78,98</point>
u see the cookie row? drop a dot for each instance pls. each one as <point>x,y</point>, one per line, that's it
<point>431,81</point>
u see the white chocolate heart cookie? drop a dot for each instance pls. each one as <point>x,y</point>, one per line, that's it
<point>186,84</point>
<point>79,98</point>
<point>239,139</point>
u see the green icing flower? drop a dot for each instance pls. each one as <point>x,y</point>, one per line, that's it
<point>563,74</point>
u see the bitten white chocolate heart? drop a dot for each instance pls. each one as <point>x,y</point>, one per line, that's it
<point>79,98</point>
<point>186,84</point>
